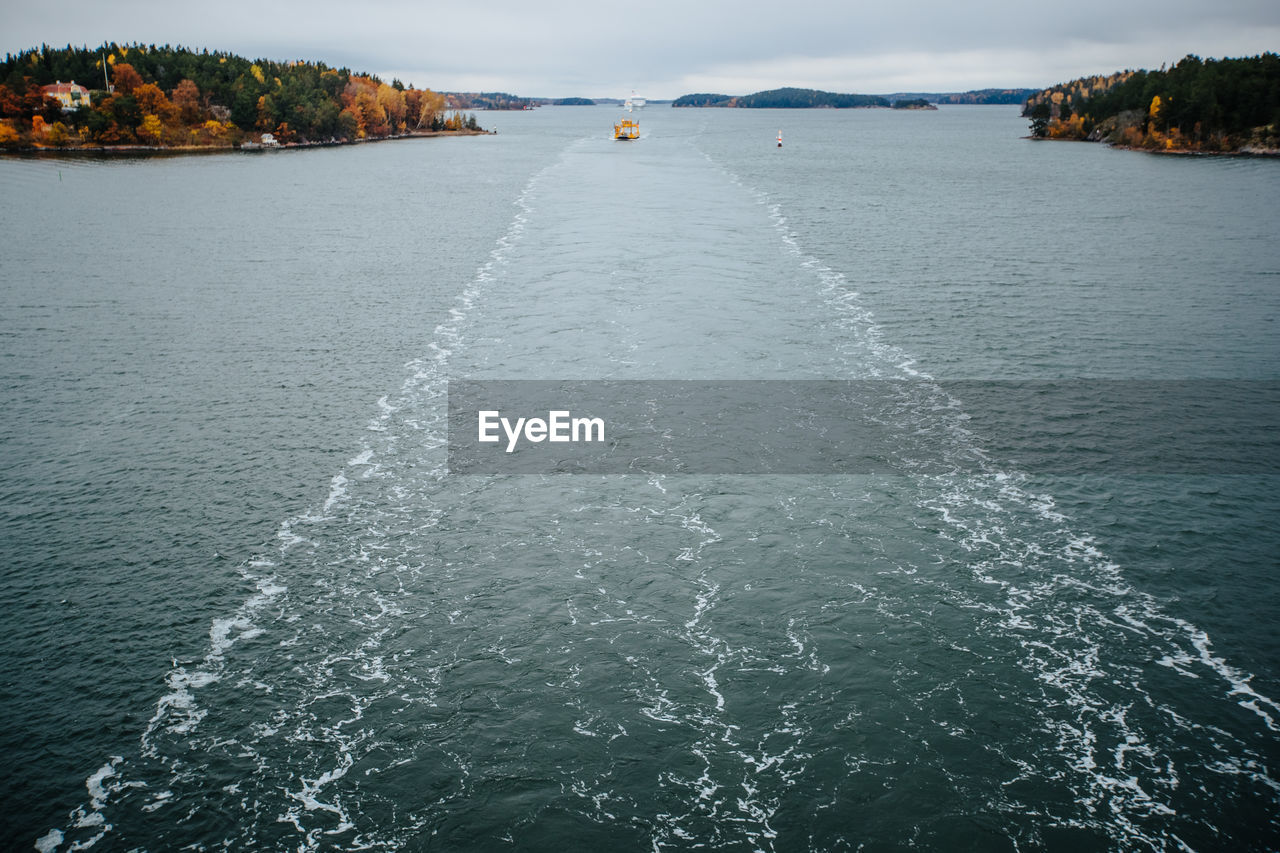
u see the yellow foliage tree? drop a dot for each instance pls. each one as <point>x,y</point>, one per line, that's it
<point>423,105</point>
<point>257,73</point>
<point>393,106</point>
<point>1072,128</point>
<point>9,137</point>
<point>151,130</point>
<point>58,134</point>
<point>373,118</point>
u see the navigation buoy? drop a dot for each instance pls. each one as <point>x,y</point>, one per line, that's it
<point>779,139</point>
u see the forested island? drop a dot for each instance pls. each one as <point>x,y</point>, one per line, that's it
<point>791,98</point>
<point>973,96</point>
<point>486,101</point>
<point>177,98</point>
<point>983,96</point>
<point>788,98</point>
<point>1198,105</point>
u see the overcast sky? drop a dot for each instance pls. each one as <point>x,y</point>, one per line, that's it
<point>666,48</point>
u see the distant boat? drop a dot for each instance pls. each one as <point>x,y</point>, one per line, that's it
<point>626,130</point>
<point>634,102</point>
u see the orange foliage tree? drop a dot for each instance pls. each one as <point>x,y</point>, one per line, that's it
<point>217,100</point>
<point>9,138</point>
<point>186,97</point>
<point>125,78</point>
<point>360,97</point>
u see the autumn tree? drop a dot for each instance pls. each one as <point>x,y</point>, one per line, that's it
<point>204,98</point>
<point>360,97</point>
<point>114,120</point>
<point>151,131</point>
<point>186,98</point>
<point>268,114</point>
<point>152,100</point>
<point>1195,105</point>
<point>58,135</point>
<point>423,107</point>
<point>9,138</point>
<point>284,134</point>
<point>10,103</point>
<point>373,118</point>
<point>125,78</point>
<point>36,103</point>
<point>392,102</point>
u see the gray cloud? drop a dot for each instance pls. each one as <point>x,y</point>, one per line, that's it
<point>666,48</point>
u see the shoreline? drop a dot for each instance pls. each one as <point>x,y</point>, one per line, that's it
<point>1247,151</point>
<point>179,150</point>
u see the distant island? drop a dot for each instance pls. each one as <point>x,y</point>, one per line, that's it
<point>1198,105</point>
<point>787,98</point>
<point>147,97</point>
<point>791,98</point>
<point>486,101</point>
<point>973,96</point>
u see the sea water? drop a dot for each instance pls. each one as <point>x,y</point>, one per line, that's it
<point>248,606</point>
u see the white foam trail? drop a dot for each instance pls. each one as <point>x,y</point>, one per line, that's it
<point>91,816</point>
<point>727,792</point>
<point>337,491</point>
<point>50,841</point>
<point>1238,681</point>
<point>309,798</point>
<point>177,711</point>
<point>1074,674</point>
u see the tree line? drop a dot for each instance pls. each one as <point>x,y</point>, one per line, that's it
<point>786,98</point>
<point>174,96</point>
<point>1196,105</point>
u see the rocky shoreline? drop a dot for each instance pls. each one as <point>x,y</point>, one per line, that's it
<point>1243,151</point>
<point>215,149</point>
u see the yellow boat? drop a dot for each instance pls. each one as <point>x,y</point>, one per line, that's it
<point>626,129</point>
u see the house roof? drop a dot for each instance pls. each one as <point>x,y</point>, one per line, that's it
<point>61,88</point>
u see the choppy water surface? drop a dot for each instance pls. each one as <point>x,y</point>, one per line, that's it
<point>249,608</point>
